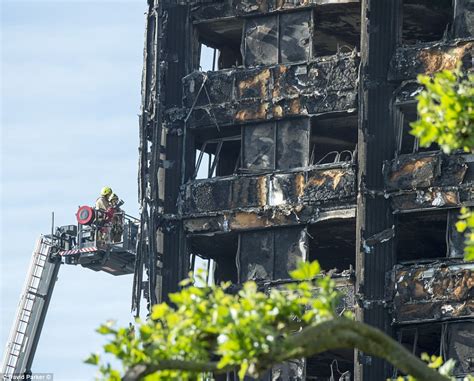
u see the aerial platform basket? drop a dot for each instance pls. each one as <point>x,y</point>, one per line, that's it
<point>102,241</point>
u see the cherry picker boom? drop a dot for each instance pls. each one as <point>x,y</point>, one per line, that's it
<point>101,241</point>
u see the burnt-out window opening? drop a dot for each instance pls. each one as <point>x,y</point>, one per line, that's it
<point>451,340</point>
<point>336,28</point>
<point>426,20</point>
<point>469,177</point>
<point>332,243</point>
<point>333,139</point>
<point>422,235</point>
<point>271,253</point>
<point>219,253</point>
<point>208,58</point>
<point>456,240</point>
<point>280,38</point>
<point>219,44</point>
<point>460,346</point>
<point>202,267</point>
<point>423,338</point>
<point>331,365</point>
<point>406,142</point>
<point>278,145</point>
<point>217,157</point>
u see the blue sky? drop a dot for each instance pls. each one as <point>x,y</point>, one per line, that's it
<point>70,90</point>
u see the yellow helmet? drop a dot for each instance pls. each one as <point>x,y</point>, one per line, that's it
<point>106,191</point>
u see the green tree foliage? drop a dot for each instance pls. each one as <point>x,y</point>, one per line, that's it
<point>209,323</point>
<point>446,111</point>
<point>444,368</point>
<point>466,225</point>
<point>212,330</point>
<point>446,117</point>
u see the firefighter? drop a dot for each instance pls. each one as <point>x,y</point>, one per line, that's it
<point>103,202</point>
<point>114,201</point>
<point>117,219</point>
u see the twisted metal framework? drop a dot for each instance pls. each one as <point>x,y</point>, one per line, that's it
<point>150,178</point>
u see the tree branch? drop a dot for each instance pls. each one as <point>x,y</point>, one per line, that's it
<point>337,333</point>
<point>344,333</point>
<point>139,371</point>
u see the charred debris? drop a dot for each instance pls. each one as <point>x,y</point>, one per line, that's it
<point>295,145</point>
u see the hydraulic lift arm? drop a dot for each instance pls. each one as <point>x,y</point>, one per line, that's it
<point>32,309</point>
<point>113,253</point>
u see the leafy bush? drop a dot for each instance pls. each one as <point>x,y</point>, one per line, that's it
<point>446,111</point>
<point>446,117</point>
<point>466,225</point>
<point>209,324</point>
<point>211,330</point>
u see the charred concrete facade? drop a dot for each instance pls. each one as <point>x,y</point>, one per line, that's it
<point>296,147</point>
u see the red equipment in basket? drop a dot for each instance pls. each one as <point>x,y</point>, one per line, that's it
<point>109,214</point>
<point>85,215</point>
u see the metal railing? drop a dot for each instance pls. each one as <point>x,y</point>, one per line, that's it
<point>100,234</point>
<point>334,157</point>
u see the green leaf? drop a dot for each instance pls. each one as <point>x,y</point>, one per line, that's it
<point>435,362</point>
<point>243,370</point>
<point>447,368</point>
<point>114,375</point>
<point>469,253</point>
<point>106,329</point>
<point>445,111</point>
<point>158,311</point>
<point>425,357</point>
<point>461,226</point>
<point>93,359</point>
<point>185,282</point>
<point>112,348</point>
<point>306,271</point>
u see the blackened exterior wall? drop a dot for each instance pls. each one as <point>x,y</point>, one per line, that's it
<point>303,124</point>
